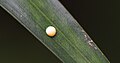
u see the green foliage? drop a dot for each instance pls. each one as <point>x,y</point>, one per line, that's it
<point>71,44</point>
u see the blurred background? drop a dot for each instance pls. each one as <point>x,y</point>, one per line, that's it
<point>100,19</point>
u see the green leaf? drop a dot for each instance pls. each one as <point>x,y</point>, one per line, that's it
<point>71,44</point>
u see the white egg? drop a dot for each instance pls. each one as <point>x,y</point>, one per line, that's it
<point>50,31</point>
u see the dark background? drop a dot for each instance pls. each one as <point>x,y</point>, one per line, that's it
<point>100,19</point>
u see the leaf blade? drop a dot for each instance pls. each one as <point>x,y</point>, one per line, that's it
<point>71,44</point>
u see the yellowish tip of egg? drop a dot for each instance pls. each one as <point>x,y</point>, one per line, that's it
<point>51,31</point>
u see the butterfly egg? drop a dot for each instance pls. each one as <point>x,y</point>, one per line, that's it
<point>51,31</point>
